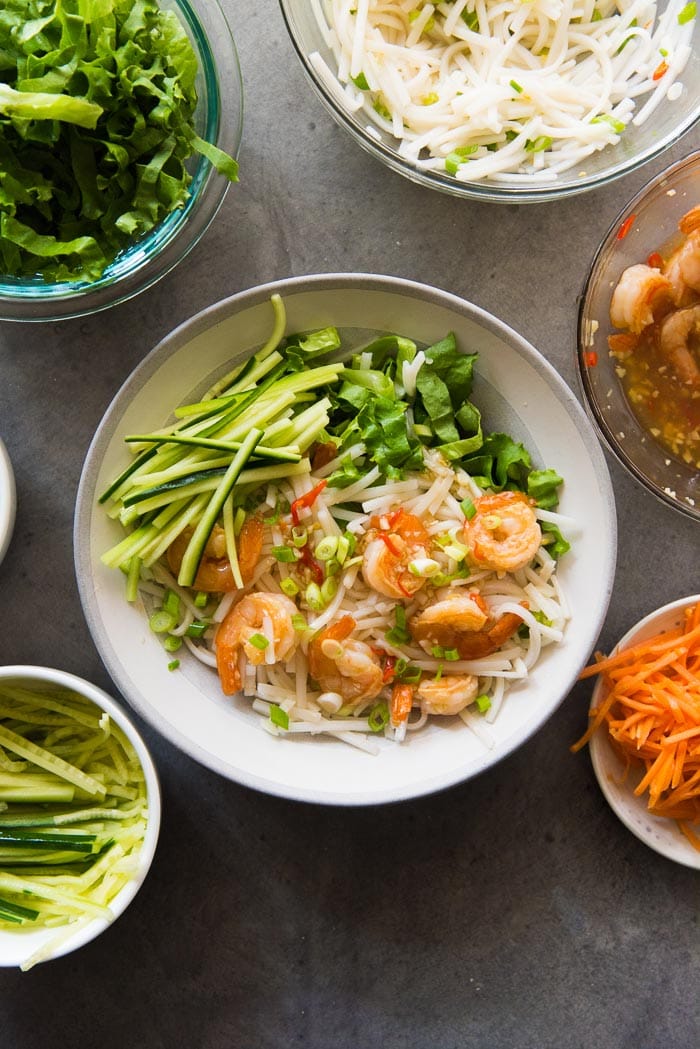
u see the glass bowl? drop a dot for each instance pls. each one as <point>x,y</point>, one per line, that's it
<point>218,119</point>
<point>646,223</point>
<point>313,42</point>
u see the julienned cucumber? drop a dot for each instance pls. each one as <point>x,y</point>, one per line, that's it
<point>195,547</point>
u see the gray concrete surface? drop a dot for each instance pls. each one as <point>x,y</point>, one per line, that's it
<point>511,912</point>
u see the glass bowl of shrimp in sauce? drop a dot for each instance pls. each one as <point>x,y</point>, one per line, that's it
<point>639,336</point>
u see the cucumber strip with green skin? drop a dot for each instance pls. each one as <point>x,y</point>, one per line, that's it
<point>189,480</point>
<point>289,455</point>
<point>46,760</point>
<point>191,514</point>
<point>189,465</point>
<point>72,901</point>
<point>15,912</point>
<point>61,819</point>
<point>141,460</point>
<point>141,537</point>
<point>250,476</point>
<point>275,338</point>
<point>253,372</point>
<point>31,838</point>
<point>195,548</point>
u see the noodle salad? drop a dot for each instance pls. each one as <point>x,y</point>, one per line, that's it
<point>342,541</point>
<point>506,90</point>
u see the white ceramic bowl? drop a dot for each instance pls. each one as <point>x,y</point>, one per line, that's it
<point>16,947</point>
<point>657,832</point>
<point>8,500</point>
<point>518,391</point>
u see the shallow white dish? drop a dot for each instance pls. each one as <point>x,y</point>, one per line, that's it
<point>16,947</point>
<point>8,500</point>
<point>657,832</point>
<point>519,393</point>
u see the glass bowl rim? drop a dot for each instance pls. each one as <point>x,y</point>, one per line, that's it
<point>483,191</point>
<point>590,400</point>
<point>148,259</point>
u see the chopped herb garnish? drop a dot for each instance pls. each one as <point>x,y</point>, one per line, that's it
<point>279,717</point>
<point>360,81</point>
<point>539,144</point>
<point>688,13</point>
<point>378,717</point>
<point>284,553</point>
<point>483,703</point>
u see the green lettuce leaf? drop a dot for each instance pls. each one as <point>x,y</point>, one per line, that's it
<point>97,134</point>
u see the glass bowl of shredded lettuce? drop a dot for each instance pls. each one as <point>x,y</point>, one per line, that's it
<point>120,121</point>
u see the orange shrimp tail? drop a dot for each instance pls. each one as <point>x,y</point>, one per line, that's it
<point>401,703</point>
<point>690,221</point>
<point>485,642</point>
<point>250,543</point>
<point>226,646</point>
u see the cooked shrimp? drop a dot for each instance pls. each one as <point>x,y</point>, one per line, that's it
<point>402,696</point>
<point>342,665</point>
<point>503,534</point>
<point>683,268</point>
<point>463,622</point>
<point>640,293</point>
<point>396,540</point>
<point>260,616</point>
<point>449,695</point>
<point>444,622</point>
<point>678,332</point>
<point>214,573</point>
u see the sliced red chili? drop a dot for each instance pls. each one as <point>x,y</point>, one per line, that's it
<point>655,261</point>
<point>307,558</point>
<point>625,227</point>
<point>660,70</point>
<point>306,500</point>
<point>389,542</point>
<point>591,358</point>
<point>389,669</point>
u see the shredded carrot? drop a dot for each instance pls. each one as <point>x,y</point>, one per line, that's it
<point>651,708</point>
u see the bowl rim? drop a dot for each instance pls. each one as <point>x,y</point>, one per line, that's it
<point>160,250</point>
<point>590,402</point>
<point>476,190</point>
<point>97,695</point>
<point>680,851</point>
<point>8,500</point>
<point>207,319</point>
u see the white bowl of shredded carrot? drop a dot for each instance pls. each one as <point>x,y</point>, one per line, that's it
<point>644,730</point>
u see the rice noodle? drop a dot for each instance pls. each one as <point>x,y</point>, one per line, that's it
<point>523,90</point>
<point>531,594</point>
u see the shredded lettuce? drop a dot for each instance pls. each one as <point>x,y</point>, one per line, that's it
<point>96,127</point>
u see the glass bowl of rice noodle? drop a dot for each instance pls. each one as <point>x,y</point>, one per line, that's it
<point>510,102</point>
<point>646,411</point>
